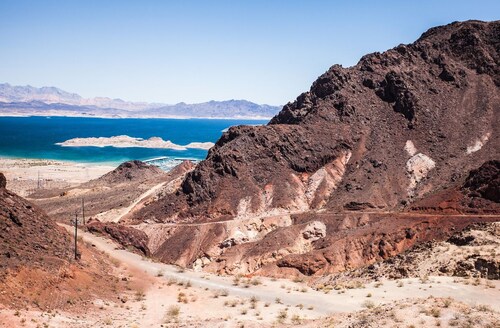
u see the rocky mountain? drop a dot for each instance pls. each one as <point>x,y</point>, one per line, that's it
<point>378,135</point>
<point>228,108</point>
<point>318,243</point>
<point>330,182</point>
<point>53,95</point>
<point>28,237</point>
<point>115,195</point>
<point>37,265</point>
<point>131,171</point>
<point>28,100</point>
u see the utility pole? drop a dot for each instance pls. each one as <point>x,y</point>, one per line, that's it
<point>76,236</point>
<point>83,211</point>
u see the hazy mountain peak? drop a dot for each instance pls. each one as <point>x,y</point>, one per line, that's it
<point>29,100</point>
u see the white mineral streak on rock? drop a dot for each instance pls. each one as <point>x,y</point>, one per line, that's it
<point>314,231</point>
<point>244,207</point>
<point>410,148</point>
<point>313,193</point>
<point>325,180</point>
<point>417,168</point>
<point>478,144</point>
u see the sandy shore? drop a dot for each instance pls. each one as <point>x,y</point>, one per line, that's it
<point>23,175</point>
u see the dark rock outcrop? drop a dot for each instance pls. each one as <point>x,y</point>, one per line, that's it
<point>124,235</point>
<point>478,193</point>
<point>427,110</point>
<point>485,181</point>
<point>398,132</point>
<point>132,171</point>
<point>3,181</point>
<point>28,237</point>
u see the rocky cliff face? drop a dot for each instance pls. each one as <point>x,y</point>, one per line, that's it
<point>378,135</point>
<point>470,252</point>
<point>319,243</point>
<point>353,164</point>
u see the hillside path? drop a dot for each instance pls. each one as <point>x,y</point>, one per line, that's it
<point>324,304</point>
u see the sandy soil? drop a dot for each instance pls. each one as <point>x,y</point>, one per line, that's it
<point>414,312</point>
<point>116,214</point>
<point>201,298</point>
<point>163,295</point>
<point>23,174</point>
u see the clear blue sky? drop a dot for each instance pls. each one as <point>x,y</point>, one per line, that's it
<point>170,51</point>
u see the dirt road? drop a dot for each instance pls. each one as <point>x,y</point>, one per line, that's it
<point>290,293</point>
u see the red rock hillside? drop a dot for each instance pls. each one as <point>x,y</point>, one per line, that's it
<point>37,266</point>
<point>372,160</point>
<point>377,135</point>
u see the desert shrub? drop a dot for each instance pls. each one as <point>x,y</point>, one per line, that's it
<point>296,320</point>
<point>173,312</point>
<point>282,315</point>
<point>182,298</point>
<point>140,295</point>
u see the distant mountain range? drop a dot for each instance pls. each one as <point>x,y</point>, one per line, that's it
<point>52,101</point>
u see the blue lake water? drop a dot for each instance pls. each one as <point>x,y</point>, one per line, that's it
<point>36,137</point>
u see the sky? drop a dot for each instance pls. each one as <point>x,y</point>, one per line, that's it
<point>265,51</point>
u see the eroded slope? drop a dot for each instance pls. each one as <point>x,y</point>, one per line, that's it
<point>378,135</point>
<point>108,197</point>
<point>37,267</point>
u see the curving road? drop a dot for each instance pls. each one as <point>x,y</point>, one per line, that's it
<point>324,304</point>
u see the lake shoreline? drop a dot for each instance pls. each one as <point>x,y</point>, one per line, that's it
<point>100,140</point>
<point>247,118</point>
<point>24,175</point>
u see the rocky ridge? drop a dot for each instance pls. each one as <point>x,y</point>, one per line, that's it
<point>310,243</point>
<point>379,135</point>
<point>113,191</point>
<point>470,253</point>
<point>52,101</point>
<point>479,193</point>
<point>360,168</point>
<point>397,150</point>
<point>28,237</point>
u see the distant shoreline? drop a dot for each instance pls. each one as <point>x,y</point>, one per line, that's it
<point>249,118</point>
<point>4,158</point>
<point>24,175</point>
